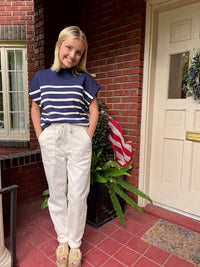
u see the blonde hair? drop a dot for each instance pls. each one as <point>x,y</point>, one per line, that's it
<point>67,33</point>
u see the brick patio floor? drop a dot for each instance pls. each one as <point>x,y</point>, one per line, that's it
<point>108,246</point>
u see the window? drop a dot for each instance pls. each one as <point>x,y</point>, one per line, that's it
<point>178,67</point>
<point>13,93</point>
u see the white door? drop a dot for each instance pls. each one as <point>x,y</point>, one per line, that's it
<point>175,161</point>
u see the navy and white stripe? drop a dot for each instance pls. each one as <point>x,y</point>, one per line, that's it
<point>62,96</point>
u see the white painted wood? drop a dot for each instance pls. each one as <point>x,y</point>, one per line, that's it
<point>169,169</point>
<point>178,211</point>
<point>172,156</point>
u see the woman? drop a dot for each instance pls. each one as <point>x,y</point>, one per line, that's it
<point>61,98</point>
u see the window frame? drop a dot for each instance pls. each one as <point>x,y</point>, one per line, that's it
<point>7,133</point>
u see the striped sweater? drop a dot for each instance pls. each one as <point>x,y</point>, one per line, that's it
<point>63,97</point>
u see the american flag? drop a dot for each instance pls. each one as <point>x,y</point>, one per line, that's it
<point>122,149</point>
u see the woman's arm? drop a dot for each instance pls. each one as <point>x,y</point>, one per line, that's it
<point>94,116</point>
<point>36,115</point>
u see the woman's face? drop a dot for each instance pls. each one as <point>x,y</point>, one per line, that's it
<point>70,52</point>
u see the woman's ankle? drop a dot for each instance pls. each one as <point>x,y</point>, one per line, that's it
<point>63,244</point>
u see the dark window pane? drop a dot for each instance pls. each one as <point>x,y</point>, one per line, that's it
<point>1,121</point>
<point>14,121</point>
<point>11,60</point>
<point>20,81</point>
<point>1,102</point>
<point>21,101</point>
<point>1,81</point>
<point>178,66</point>
<point>19,60</point>
<point>21,121</point>
<point>13,102</point>
<point>12,81</point>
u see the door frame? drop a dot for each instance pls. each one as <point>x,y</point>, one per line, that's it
<point>153,8</point>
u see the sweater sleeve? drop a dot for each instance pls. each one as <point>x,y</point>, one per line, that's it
<point>91,88</point>
<point>34,90</point>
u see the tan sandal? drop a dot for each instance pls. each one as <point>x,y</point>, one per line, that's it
<point>75,257</point>
<point>62,253</point>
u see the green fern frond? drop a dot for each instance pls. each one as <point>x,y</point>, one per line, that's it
<point>111,169</point>
<point>133,189</point>
<point>95,158</point>
<point>123,195</point>
<point>45,192</point>
<point>110,164</point>
<point>114,172</point>
<point>101,179</point>
<point>116,205</point>
<point>44,203</point>
<point>127,167</point>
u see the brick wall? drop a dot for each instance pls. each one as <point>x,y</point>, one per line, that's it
<point>25,170</point>
<point>115,32</point>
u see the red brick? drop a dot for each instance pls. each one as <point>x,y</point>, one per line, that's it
<point>121,106</point>
<point>106,94</point>
<point>123,65</point>
<point>116,46</point>
<point>19,3</point>
<point>135,119</point>
<point>124,51</point>
<point>6,13</point>
<point>120,119</point>
<point>114,112</point>
<point>113,86</point>
<point>121,79</point>
<point>114,99</point>
<point>106,68</point>
<point>130,71</point>
<point>105,81</point>
<point>5,3</point>
<point>114,73</point>
<point>12,8</point>
<point>121,92</point>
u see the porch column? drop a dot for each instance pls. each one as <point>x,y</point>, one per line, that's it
<point>5,258</point>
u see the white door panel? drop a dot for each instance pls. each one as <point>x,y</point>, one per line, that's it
<point>175,168</point>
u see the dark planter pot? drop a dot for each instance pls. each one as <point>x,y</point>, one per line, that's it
<point>100,208</point>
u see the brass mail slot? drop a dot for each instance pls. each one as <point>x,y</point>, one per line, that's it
<point>193,136</point>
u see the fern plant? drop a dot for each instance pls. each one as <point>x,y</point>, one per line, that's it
<point>110,174</point>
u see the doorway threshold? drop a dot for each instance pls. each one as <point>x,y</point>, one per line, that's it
<point>173,216</point>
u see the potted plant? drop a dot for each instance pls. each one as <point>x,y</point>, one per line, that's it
<point>192,78</point>
<point>108,190</point>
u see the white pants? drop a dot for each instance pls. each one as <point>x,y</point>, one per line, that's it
<point>66,153</point>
